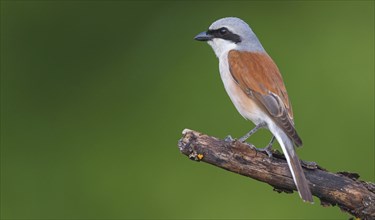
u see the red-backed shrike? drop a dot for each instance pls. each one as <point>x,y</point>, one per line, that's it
<point>255,86</point>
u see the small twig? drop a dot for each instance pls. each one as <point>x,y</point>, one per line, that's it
<point>342,189</point>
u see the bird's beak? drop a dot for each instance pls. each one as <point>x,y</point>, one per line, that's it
<point>203,36</point>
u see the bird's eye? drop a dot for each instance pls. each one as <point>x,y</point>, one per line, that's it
<point>223,30</point>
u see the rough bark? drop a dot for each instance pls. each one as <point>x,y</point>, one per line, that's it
<point>343,189</point>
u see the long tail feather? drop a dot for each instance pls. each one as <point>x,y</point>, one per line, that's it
<point>294,166</point>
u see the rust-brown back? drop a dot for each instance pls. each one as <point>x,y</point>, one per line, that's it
<point>259,77</point>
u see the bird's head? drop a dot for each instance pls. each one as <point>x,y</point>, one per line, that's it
<point>230,33</point>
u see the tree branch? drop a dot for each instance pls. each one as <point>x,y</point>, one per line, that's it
<point>342,189</point>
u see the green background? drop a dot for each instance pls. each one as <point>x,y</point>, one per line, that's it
<point>95,94</point>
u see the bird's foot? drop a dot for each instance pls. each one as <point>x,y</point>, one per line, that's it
<point>231,140</point>
<point>267,149</point>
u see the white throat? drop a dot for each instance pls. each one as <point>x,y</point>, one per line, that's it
<point>221,46</point>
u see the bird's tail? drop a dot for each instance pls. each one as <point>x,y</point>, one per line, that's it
<point>294,166</point>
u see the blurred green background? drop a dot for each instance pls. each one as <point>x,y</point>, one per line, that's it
<point>95,94</point>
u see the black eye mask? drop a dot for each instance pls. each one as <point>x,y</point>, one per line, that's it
<point>225,34</point>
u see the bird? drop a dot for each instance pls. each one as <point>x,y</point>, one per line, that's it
<point>255,86</point>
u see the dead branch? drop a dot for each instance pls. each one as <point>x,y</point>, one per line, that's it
<point>342,189</point>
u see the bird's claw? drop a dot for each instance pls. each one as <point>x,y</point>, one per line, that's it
<point>267,149</point>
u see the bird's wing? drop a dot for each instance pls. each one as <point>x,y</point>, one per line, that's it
<point>258,76</point>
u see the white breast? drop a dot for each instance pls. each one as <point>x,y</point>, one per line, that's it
<point>244,105</point>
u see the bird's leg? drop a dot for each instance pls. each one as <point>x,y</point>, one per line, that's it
<point>246,136</point>
<point>268,148</point>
